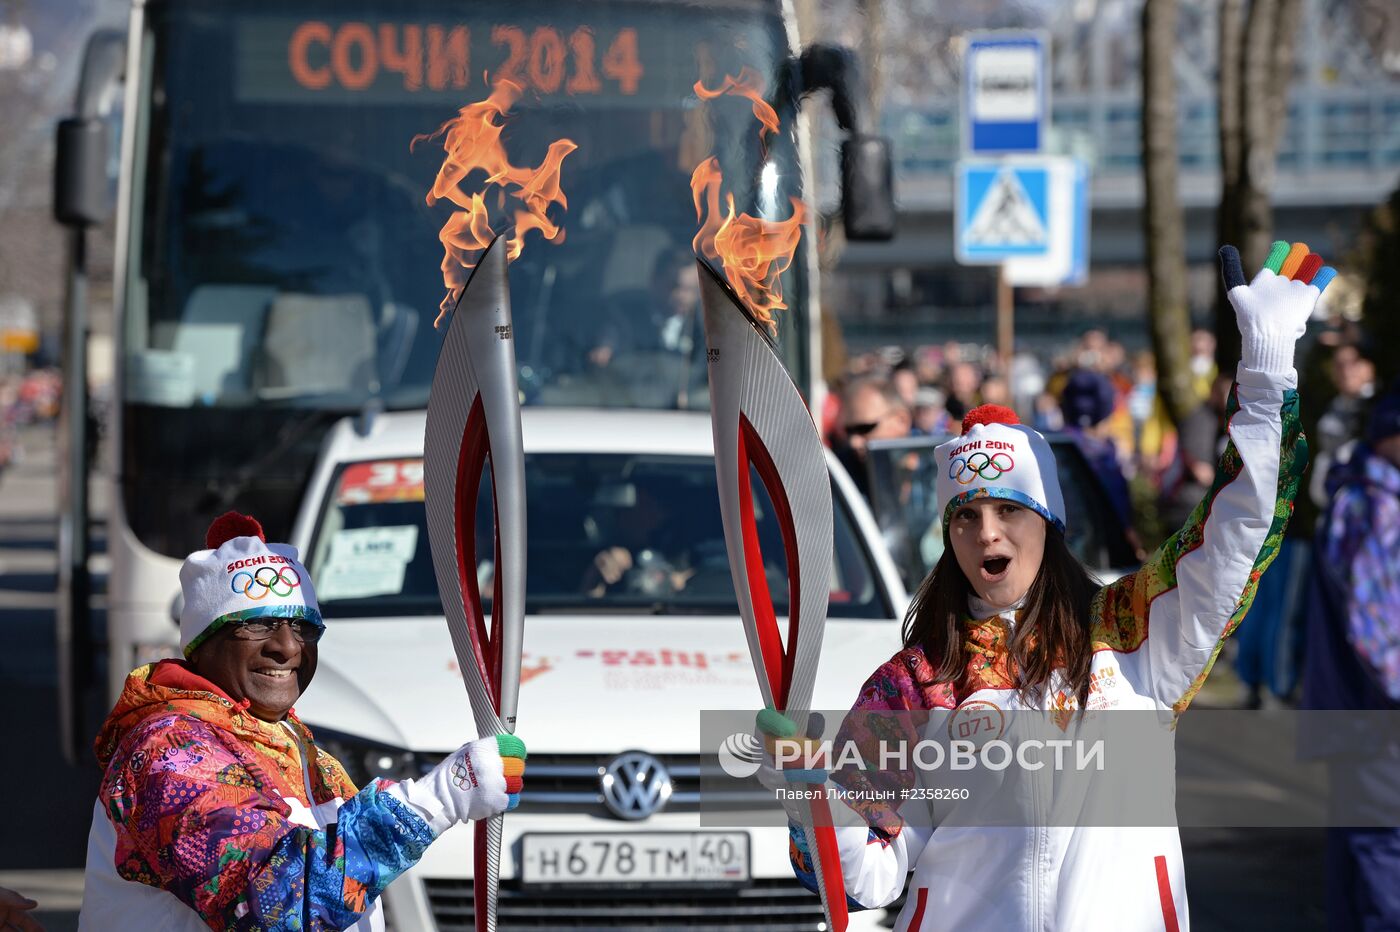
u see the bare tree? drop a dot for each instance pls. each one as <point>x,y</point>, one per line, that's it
<point>1168,315</point>
<point>1256,68</point>
<point>872,55</point>
<point>1230,33</point>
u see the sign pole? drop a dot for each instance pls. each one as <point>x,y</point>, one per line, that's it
<point>1006,318</point>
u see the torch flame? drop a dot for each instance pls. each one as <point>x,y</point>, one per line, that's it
<point>754,252</point>
<point>745,84</point>
<point>472,143</point>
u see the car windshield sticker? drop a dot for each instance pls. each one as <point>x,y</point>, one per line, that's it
<point>381,481</point>
<point>366,562</point>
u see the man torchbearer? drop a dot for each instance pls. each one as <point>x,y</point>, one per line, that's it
<point>217,809</point>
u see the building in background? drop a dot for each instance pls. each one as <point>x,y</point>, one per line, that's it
<point>1339,157</point>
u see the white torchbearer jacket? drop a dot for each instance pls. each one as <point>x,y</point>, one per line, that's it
<point>1156,634</point>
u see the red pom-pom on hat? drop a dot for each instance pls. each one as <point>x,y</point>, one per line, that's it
<point>229,525</point>
<point>989,414</point>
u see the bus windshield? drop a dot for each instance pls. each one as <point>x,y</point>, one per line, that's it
<point>285,267</point>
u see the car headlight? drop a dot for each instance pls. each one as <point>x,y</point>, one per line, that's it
<point>368,760</point>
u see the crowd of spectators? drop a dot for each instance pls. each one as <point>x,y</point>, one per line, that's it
<point>1094,390</point>
<point>25,398</point>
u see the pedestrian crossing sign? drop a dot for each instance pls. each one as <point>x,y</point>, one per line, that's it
<point>1002,210</point>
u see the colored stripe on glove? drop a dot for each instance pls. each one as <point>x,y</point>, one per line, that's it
<point>1278,252</point>
<point>772,722</point>
<point>1230,268</point>
<point>1295,258</point>
<point>513,756</point>
<point>1308,269</point>
<point>1294,262</point>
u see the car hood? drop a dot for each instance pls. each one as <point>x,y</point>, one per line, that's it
<point>589,684</point>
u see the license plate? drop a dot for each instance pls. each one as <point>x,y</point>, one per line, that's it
<point>639,857</point>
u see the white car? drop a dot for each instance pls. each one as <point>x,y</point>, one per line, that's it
<point>614,676</point>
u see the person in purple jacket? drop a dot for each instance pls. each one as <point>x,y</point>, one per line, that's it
<point>1353,662</point>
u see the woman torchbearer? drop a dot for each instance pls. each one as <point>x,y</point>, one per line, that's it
<point>1009,619</point>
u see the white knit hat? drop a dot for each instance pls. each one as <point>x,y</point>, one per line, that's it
<point>999,457</point>
<point>241,576</point>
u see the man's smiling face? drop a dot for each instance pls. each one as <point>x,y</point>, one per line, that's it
<point>270,674</point>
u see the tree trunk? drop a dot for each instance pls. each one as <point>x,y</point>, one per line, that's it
<point>872,60</point>
<point>1288,14</point>
<point>808,16</point>
<point>1230,32</point>
<point>1266,69</point>
<point>1165,232</point>
<point>1257,177</point>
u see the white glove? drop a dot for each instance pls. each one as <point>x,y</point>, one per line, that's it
<point>787,780</point>
<point>785,791</point>
<point>483,778</point>
<point>1273,310</point>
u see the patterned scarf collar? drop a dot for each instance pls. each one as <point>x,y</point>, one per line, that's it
<point>172,686</point>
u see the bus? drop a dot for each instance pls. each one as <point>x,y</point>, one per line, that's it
<point>278,264</point>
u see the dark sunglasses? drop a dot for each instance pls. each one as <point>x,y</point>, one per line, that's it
<point>860,430</point>
<point>304,630</point>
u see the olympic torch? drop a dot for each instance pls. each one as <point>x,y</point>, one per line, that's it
<point>474,420</point>
<point>761,425</point>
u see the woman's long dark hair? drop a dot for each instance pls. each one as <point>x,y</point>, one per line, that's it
<point>1054,633</point>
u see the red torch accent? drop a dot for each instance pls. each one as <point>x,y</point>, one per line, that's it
<point>471,465</point>
<point>776,660</point>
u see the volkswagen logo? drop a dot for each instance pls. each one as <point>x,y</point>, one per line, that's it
<point>635,785</point>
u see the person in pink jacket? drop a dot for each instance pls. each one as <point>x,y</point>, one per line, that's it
<point>1009,620</point>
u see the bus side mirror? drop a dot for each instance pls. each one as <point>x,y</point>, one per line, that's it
<point>867,189</point>
<point>80,172</point>
<point>867,170</point>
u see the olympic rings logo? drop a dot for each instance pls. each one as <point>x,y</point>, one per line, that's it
<point>264,580</point>
<point>964,470</point>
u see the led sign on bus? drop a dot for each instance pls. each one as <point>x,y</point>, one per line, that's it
<point>355,56</point>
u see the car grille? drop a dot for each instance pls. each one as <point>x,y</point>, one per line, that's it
<point>559,783</point>
<point>768,905</point>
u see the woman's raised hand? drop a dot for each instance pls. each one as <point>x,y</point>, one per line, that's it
<point>1272,311</point>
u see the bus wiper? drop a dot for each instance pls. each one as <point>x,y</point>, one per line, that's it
<point>369,413</point>
<point>282,443</point>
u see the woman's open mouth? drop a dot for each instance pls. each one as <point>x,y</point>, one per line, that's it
<point>994,569</point>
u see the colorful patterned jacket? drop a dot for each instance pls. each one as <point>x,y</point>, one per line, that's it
<point>1358,542</point>
<point>1155,634</point>
<point>207,817</point>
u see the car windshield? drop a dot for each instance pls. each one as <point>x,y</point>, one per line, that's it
<point>902,478</point>
<point>606,533</point>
